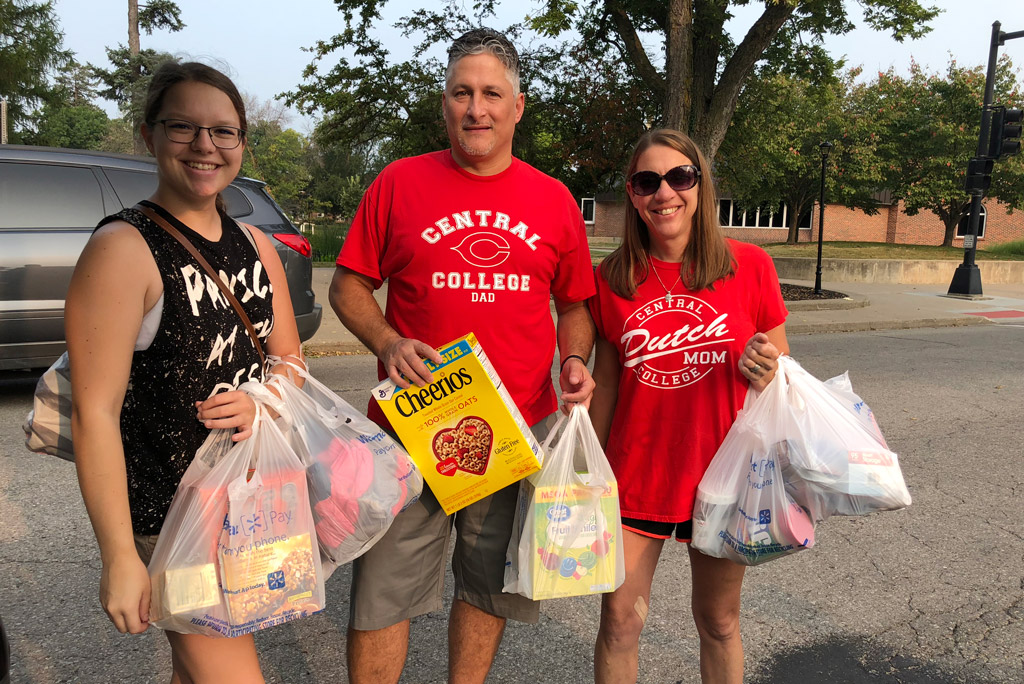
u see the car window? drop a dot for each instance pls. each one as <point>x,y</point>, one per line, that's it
<point>236,202</point>
<point>49,196</point>
<point>131,186</point>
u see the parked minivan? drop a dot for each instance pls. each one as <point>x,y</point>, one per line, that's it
<point>51,200</point>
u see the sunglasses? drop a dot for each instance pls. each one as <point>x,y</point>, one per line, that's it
<point>680,178</point>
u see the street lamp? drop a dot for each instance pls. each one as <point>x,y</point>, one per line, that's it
<point>824,148</point>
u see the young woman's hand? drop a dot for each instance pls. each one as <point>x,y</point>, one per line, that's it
<point>234,409</point>
<point>759,361</point>
<point>124,592</point>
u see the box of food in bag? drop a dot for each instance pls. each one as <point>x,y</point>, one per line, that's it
<point>573,540</point>
<point>463,430</point>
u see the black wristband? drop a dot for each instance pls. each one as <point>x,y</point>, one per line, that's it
<point>571,356</point>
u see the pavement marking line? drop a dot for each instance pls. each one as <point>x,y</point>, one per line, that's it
<point>996,314</point>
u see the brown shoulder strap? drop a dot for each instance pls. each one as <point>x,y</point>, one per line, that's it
<point>176,234</point>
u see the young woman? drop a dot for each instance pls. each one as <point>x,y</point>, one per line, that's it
<point>157,352</point>
<point>687,319</point>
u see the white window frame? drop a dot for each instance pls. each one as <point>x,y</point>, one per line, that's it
<point>593,210</point>
<point>982,220</point>
<point>752,217</point>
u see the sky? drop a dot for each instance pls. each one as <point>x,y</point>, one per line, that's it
<point>259,43</point>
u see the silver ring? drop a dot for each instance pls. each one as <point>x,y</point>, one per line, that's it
<point>755,368</point>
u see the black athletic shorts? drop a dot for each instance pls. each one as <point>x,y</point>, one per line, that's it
<point>660,530</point>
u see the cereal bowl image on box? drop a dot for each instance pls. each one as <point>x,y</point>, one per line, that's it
<point>463,431</point>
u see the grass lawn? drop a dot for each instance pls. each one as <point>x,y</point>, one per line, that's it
<point>862,250</point>
<point>876,250</point>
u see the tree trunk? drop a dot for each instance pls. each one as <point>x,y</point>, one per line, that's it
<point>794,228</point>
<point>796,210</point>
<point>678,63</point>
<point>712,115</point>
<point>133,27</point>
<point>951,218</point>
<point>133,49</point>
<point>950,222</point>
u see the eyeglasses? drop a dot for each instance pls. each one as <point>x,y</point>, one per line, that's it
<point>224,137</point>
<point>680,178</point>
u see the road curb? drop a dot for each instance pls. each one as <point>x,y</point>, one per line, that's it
<point>866,326</point>
<point>854,301</point>
<point>314,349</point>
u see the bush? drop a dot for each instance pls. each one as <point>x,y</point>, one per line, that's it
<point>326,240</point>
<point>1015,248</point>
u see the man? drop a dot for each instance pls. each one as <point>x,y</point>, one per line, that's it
<point>470,240</point>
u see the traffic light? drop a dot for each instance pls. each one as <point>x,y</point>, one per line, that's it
<point>1004,133</point>
<point>979,174</point>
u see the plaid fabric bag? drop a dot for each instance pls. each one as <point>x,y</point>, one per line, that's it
<point>48,425</point>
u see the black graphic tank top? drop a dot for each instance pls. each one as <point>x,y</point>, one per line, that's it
<point>201,348</point>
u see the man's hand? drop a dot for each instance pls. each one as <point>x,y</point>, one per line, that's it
<point>404,357</point>
<point>576,383</point>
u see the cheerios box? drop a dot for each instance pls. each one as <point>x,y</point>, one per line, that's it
<point>463,430</point>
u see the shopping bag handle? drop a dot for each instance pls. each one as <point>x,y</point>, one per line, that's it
<point>578,423</point>
<point>330,419</point>
<point>555,429</point>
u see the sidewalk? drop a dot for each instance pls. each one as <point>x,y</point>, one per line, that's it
<point>869,306</point>
<point>895,306</point>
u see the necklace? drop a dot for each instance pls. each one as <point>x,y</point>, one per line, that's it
<point>668,290</point>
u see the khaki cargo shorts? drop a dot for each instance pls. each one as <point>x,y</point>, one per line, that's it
<point>402,575</point>
<point>145,544</point>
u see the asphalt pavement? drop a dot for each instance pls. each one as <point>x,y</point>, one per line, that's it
<point>929,595</point>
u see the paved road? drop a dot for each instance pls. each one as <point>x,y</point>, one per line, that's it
<point>933,594</point>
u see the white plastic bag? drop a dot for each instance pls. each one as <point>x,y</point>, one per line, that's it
<point>797,453</point>
<point>359,478</point>
<point>567,534</point>
<point>237,551</point>
<point>742,510</point>
<point>832,456</point>
<point>841,387</point>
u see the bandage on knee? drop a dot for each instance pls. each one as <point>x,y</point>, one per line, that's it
<point>641,608</point>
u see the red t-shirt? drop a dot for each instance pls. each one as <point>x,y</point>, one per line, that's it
<point>482,254</point>
<point>679,385</point>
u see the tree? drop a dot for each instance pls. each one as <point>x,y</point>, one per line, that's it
<point>81,127</point>
<point>771,156</point>
<point>932,124</point>
<point>30,51</point>
<point>696,72</point>
<point>277,157</point>
<point>127,81</point>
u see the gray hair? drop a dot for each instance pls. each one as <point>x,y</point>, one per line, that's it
<point>481,40</point>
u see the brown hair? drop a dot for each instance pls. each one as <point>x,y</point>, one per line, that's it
<point>170,74</point>
<point>707,257</point>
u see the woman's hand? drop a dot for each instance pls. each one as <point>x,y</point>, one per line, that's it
<point>759,361</point>
<point>125,591</point>
<point>233,409</point>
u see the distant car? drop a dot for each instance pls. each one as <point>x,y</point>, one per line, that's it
<point>50,202</point>
<point>5,656</point>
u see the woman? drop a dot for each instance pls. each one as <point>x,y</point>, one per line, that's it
<point>157,352</point>
<point>687,320</point>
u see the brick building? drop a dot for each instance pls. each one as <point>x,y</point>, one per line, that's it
<point>604,216</point>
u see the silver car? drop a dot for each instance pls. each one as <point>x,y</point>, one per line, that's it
<point>51,200</point>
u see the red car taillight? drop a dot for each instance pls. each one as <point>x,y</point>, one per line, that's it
<point>297,242</point>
